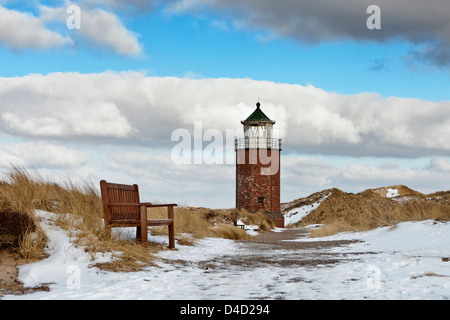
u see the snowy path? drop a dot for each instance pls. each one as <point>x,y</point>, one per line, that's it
<point>276,249</point>
<point>410,261</point>
<point>267,267</point>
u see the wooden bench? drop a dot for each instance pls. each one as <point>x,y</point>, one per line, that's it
<point>122,208</point>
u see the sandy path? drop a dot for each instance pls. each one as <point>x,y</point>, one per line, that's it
<point>277,248</point>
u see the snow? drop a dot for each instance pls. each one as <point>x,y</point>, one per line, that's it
<point>392,193</point>
<point>297,214</point>
<point>408,261</point>
<point>251,229</point>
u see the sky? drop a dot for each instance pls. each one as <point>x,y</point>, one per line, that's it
<point>97,89</point>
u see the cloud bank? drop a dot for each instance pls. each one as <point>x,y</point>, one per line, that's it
<point>146,110</point>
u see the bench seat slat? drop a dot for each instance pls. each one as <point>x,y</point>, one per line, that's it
<point>125,223</point>
<point>157,222</point>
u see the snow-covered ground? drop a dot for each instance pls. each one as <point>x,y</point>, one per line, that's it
<point>297,214</point>
<point>409,261</point>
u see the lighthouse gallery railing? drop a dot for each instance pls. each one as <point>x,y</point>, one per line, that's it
<point>257,143</point>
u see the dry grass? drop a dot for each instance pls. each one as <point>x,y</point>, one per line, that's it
<point>229,231</point>
<point>194,222</point>
<point>78,207</point>
<point>259,219</point>
<point>381,192</point>
<point>78,210</point>
<point>358,212</point>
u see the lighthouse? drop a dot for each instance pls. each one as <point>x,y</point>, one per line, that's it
<point>258,167</point>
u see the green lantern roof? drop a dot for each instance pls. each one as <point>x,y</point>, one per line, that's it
<point>257,117</point>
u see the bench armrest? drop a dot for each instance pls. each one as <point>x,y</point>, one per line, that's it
<point>147,204</point>
<point>163,205</point>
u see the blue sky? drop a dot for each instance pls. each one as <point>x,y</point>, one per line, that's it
<point>294,55</point>
<point>204,45</point>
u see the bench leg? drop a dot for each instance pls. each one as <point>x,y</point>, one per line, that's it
<point>143,227</point>
<point>138,233</point>
<point>171,236</point>
<point>171,227</point>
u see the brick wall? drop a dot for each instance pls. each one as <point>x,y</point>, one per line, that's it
<point>258,176</point>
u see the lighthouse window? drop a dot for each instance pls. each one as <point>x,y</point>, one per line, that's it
<point>261,200</point>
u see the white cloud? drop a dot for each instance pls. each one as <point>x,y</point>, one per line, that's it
<point>59,105</point>
<point>41,154</point>
<point>149,109</point>
<point>302,176</point>
<point>160,179</point>
<point>99,28</point>
<point>440,164</point>
<point>104,28</point>
<point>23,30</point>
<point>91,119</point>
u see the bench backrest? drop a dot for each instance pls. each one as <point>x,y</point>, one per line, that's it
<point>119,193</point>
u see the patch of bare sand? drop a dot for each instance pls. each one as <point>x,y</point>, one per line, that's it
<point>9,282</point>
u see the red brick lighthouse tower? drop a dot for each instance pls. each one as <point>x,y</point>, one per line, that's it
<point>258,167</point>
